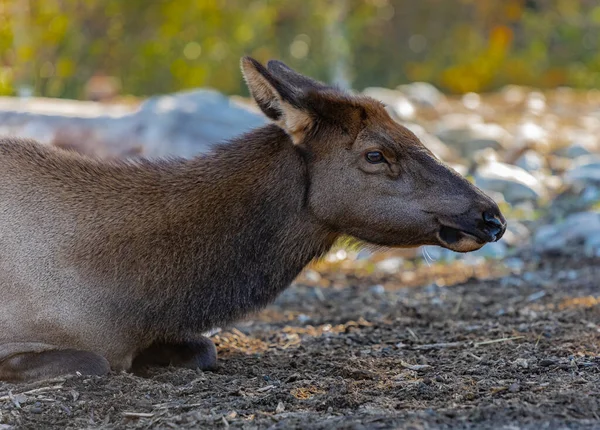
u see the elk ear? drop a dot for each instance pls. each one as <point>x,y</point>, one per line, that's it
<point>283,72</point>
<point>278,99</point>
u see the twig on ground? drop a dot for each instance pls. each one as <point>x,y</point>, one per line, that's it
<point>30,392</point>
<point>439,346</point>
<point>476,357</point>
<point>504,339</point>
<point>265,388</point>
<point>138,415</point>
<point>537,341</point>
<point>37,384</point>
<point>172,406</point>
<point>415,367</point>
<point>412,333</point>
<point>458,305</point>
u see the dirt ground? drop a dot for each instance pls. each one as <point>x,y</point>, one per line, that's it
<point>506,347</point>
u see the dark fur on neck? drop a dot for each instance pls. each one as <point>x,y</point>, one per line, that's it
<point>207,240</point>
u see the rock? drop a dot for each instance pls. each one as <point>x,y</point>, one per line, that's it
<point>303,318</point>
<point>467,134</point>
<point>591,246</point>
<point>364,254</point>
<point>514,387</point>
<point>435,145</point>
<point>189,123</point>
<point>582,185</point>
<point>590,195</point>
<point>487,136</point>
<point>535,102</point>
<point>483,156</point>
<point>513,182</point>
<point>494,250</point>
<point>531,161</point>
<point>530,135</point>
<point>471,100</point>
<point>584,144</point>
<point>515,264</point>
<point>525,209</point>
<point>551,182</point>
<point>399,104</point>
<point>71,124</point>
<point>182,124</point>
<point>585,171</point>
<point>579,194</point>
<point>390,265</point>
<point>580,228</point>
<point>517,234</point>
<point>423,94</point>
<point>377,289</point>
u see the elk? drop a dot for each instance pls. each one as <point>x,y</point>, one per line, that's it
<point>114,264</point>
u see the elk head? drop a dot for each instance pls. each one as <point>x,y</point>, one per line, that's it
<point>368,176</point>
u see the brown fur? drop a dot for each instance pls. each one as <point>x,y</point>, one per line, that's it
<point>106,261</point>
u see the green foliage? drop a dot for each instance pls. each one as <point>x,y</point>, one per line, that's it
<point>158,46</point>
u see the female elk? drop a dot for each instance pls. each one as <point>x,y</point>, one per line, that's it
<point>105,264</point>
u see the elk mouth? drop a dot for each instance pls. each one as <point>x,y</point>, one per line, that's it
<point>451,235</point>
<point>460,240</point>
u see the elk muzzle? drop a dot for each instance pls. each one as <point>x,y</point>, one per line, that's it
<point>470,232</point>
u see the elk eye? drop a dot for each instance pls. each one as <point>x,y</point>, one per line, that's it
<point>374,157</point>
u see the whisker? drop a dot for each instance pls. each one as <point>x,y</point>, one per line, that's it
<point>427,256</point>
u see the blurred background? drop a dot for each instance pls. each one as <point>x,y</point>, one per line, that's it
<point>55,47</point>
<point>505,91</point>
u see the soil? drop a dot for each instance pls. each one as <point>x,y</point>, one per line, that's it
<point>507,347</point>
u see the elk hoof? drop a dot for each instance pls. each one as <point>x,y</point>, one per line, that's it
<point>199,353</point>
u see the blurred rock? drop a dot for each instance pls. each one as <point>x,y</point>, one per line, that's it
<point>552,183</point>
<point>494,250</point>
<point>377,289</point>
<point>471,101</point>
<point>423,94</point>
<point>525,210</point>
<point>390,265</point>
<point>484,156</point>
<point>514,94</point>
<point>399,104</point>
<point>189,123</point>
<point>584,144</point>
<point>558,164</point>
<point>530,135</point>
<point>513,182</point>
<point>435,145</point>
<point>467,134</point>
<point>582,228</point>
<point>591,247</point>
<point>517,234</point>
<point>531,161</point>
<point>535,102</point>
<point>181,124</point>
<point>585,170</point>
<point>575,198</point>
<point>516,265</point>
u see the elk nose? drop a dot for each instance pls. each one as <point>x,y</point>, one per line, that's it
<point>494,225</point>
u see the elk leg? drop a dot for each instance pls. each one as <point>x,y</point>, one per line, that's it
<point>199,353</point>
<point>34,361</point>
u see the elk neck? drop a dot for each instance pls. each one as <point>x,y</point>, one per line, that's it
<point>236,232</point>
